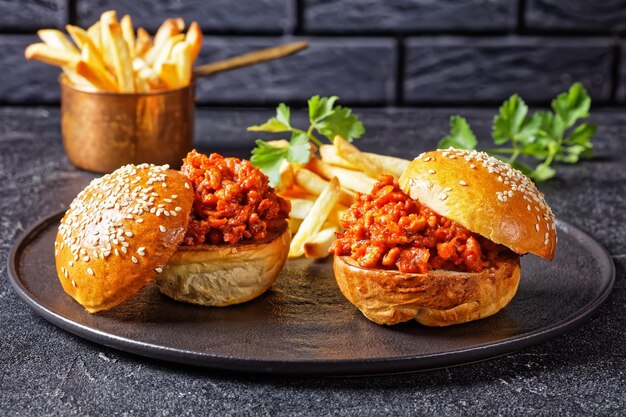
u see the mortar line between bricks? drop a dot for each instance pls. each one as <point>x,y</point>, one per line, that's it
<point>616,50</point>
<point>521,16</point>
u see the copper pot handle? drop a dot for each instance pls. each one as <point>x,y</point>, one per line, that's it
<point>251,58</point>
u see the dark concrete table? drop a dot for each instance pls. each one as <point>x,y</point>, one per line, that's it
<point>46,371</point>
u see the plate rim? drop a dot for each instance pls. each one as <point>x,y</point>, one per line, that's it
<point>313,367</point>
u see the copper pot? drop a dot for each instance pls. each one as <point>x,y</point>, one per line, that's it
<point>103,130</point>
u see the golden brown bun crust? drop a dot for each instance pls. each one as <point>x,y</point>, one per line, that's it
<point>484,195</point>
<point>221,275</point>
<point>439,298</point>
<point>119,232</point>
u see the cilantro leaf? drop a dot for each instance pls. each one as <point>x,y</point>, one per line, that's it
<point>299,150</point>
<point>460,137</point>
<point>268,158</point>
<point>279,123</point>
<point>341,122</point>
<point>320,108</point>
<point>572,105</point>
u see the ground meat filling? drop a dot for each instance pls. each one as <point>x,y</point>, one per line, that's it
<point>233,201</point>
<point>389,230</point>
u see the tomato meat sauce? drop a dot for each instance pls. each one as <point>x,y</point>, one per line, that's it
<point>388,229</point>
<point>233,201</point>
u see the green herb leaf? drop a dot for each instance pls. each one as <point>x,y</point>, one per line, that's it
<point>542,173</point>
<point>572,105</point>
<point>279,123</point>
<point>268,159</point>
<point>341,122</point>
<point>299,150</point>
<point>320,108</point>
<point>460,137</point>
<point>508,123</point>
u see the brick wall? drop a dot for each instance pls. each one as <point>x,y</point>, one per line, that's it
<point>369,52</point>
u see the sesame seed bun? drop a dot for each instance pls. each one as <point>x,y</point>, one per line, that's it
<point>222,275</point>
<point>119,233</point>
<point>439,298</point>
<point>484,195</point>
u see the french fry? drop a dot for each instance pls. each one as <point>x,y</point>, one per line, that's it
<point>315,184</point>
<point>94,76</point>
<point>319,245</point>
<point>93,59</point>
<point>294,225</point>
<point>169,28</point>
<point>57,40</point>
<point>76,79</point>
<point>45,53</point>
<point>128,33</point>
<point>167,73</point>
<point>181,54</point>
<point>165,51</point>
<point>143,43</point>
<point>120,56</point>
<point>194,38</point>
<point>390,164</point>
<point>78,35</point>
<point>352,154</point>
<point>107,18</point>
<point>353,180</point>
<point>94,33</point>
<point>300,207</point>
<point>315,219</point>
<point>147,75</point>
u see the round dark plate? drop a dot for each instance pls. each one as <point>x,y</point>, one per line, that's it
<point>303,325</point>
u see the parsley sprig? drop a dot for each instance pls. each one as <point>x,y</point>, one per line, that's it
<point>545,136</point>
<point>326,118</point>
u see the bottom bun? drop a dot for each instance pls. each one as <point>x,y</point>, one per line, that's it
<point>221,275</point>
<point>439,298</point>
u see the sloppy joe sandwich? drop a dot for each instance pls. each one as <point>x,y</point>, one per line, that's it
<point>443,245</point>
<point>215,234</point>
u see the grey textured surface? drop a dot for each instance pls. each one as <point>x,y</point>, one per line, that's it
<point>29,15</point>
<point>22,80</point>
<point>359,70</point>
<point>46,371</point>
<point>269,16</point>
<point>463,70</point>
<point>409,15</point>
<point>580,15</point>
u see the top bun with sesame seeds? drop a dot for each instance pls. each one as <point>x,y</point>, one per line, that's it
<point>120,232</point>
<point>486,196</point>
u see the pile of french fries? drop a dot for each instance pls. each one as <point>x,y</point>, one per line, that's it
<point>111,56</point>
<point>321,191</point>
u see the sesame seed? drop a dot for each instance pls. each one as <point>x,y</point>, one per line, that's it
<point>443,196</point>
<point>74,283</point>
<point>537,226</point>
<point>178,209</point>
<point>139,220</point>
<point>463,183</point>
<point>135,260</point>
<point>186,186</point>
<point>427,159</point>
<point>173,213</point>
<point>472,166</point>
<point>432,171</point>
<point>86,258</point>
<point>123,249</point>
<point>174,196</point>
<point>71,263</point>
<point>90,271</point>
<point>129,234</point>
<point>162,228</point>
<point>158,270</point>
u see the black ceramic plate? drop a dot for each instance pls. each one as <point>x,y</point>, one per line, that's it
<point>303,325</point>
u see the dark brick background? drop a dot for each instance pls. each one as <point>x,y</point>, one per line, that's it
<point>369,52</point>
